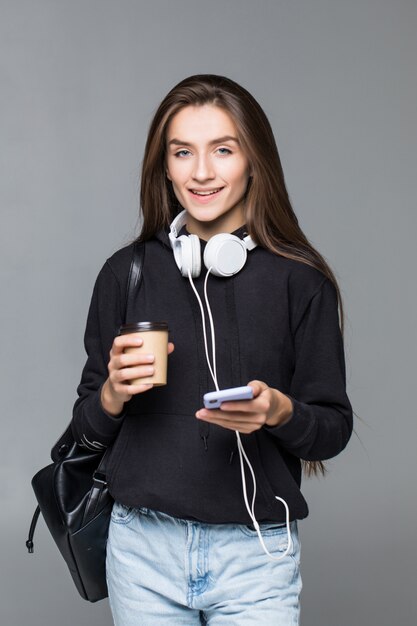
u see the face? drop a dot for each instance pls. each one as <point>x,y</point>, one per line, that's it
<point>208,169</point>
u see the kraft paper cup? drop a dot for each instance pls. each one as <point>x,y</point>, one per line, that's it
<point>155,341</point>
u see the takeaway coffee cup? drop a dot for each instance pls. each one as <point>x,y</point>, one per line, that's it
<point>155,341</point>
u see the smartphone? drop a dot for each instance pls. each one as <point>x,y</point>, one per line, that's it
<point>213,399</point>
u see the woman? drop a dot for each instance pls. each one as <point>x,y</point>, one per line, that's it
<point>190,540</point>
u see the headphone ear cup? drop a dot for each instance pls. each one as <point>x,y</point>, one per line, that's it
<point>196,255</point>
<point>225,254</point>
<point>187,255</point>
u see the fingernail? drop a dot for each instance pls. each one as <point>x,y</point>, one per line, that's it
<point>150,357</point>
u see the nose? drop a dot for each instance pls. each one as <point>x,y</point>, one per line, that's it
<point>203,169</point>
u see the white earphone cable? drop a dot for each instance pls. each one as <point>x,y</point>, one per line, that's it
<point>251,510</point>
<point>213,340</point>
<point>242,454</point>
<point>213,375</point>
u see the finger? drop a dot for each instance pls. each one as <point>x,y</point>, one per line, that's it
<point>138,388</point>
<point>125,341</point>
<point>244,426</point>
<point>171,347</point>
<point>129,373</point>
<point>127,359</point>
<point>214,415</point>
<point>244,406</point>
<point>258,386</point>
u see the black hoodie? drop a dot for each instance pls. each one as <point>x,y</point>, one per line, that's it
<point>275,321</point>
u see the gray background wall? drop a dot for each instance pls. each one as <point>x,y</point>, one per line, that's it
<point>79,83</point>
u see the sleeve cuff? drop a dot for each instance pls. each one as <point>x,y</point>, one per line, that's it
<point>105,425</point>
<point>298,427</point>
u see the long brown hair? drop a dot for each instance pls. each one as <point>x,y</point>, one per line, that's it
<point>270,219</point>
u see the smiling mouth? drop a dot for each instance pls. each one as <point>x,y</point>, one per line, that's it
<point>209,192</point>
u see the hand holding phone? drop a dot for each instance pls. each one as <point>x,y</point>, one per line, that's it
<point>213,399</point>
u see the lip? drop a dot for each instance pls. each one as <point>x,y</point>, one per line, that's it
<point>205,199</point>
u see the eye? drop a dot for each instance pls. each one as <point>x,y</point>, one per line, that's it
<point>225,151</point>
<point>180,153</point>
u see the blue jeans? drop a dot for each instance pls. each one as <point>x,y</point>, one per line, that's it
<point>166,570</point>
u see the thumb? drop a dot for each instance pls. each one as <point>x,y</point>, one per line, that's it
<point>258,387</point>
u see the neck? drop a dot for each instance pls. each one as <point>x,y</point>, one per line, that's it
<point>206,230</point>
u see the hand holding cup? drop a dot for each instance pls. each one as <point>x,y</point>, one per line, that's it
<point>138,361</point>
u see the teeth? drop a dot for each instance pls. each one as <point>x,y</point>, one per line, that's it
<point>206,193</point>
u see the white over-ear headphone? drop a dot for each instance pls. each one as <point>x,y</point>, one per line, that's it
<point>224,253</point>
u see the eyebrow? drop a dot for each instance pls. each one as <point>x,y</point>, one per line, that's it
<point>178,142</point>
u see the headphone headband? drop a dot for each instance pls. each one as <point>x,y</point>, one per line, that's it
<point>225,253</point>
<point>177,224</point>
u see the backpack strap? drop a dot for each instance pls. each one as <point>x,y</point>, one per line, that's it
<point>66,441</point>
<point>134,280</point>
<point>135,273</point>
